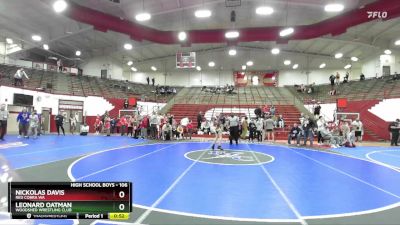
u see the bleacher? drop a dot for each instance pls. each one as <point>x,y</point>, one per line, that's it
<point>190,101</point>
<point>354,90</point>
<point>60,83</point>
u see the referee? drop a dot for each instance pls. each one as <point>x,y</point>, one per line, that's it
<point>233,128</point>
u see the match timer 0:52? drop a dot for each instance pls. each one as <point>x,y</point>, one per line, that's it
<point>118,216</point>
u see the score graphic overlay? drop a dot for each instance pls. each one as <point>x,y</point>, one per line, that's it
<point>70,200</point>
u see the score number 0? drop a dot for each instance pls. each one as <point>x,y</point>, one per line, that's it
<point>121,206</point>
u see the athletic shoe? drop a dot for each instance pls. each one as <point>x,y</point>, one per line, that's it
<point>212,147</point>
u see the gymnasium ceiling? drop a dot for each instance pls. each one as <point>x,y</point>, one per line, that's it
<point>19,19</point>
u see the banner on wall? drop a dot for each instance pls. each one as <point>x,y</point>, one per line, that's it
<point>255,78</point>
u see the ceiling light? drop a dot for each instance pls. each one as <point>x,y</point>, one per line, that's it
<point>323,65</point>
<point>397,42</point>
<point>334,7</point>
<point>59,6</point>
<point>286,32</point>
<point>249,63</point>
<point>211,64</point>
<point>295,66</point>
<point>153,68</point>
<point>78,53</point>
<point>338,55</point>
<point>143,16</point>
<point>198,68</point>
<point>130,63</point>
<point>9,41</point>
<point>182,36</point>
<point>287,62</point>
<point>232,52</point>
<point>244,67</point>
<point>36,37</point>
<point>232,34</point>
<point>133,69</point>
<point>275,51</point>
<point>264,10</point>
<point>354,59</point>
<point>348,66</point>
<point>202,13</point>
<point>387,52</point>
<point>127,46</point>
<point>46,47</point>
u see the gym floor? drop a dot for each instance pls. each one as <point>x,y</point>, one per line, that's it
<point>183,183</point>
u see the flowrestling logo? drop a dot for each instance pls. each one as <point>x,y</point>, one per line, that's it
<point>377,14</point>
<point>229,157</point>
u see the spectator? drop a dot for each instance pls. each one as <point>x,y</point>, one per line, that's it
<point>252,130</point>
<point>396,76</point>
<point>308,130</point>
<point>98,124</point>
<point>346,78</point>
<point>123,122</point>
<point>148,80</point>
<point>332,92</point>
<point>259,129</point>
<point>320,128</point>
<point>317,110</point>
<point>107,126</point>
<point>358,128</point>
<point>153,81</point>
<point>272,110</point>
<point>280,122</point>
<point>337,78</point>
<point>205,127</point>
<point>126,103</point>
<point>258,112</point>
<point>362,77</point>
<point>59,66</point>
<point>199,120</point>
<point>294,134</point>
<point>167,131</point>
<point>179,132</point>
<point>18,77</point>
<point>23,123</point>
<point>395,126</point>
<point>189,129</point>
<point>153,125</point>
<point>245,127</point>
<point>72,123</point>
<point>84,130</point>
<point>332,80</point>
<point>60,123</point>
<point>113,124</point>
<point>144,124</point>
<point>4,114</point>
<point>269,128</point>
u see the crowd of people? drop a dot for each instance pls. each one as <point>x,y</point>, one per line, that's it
<point>227,89</point>
<point>342,132</point>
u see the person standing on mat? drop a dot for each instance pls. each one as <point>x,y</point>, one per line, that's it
<point>60,123</point>
<point>3,121</point>
<point>233,128</point>
<point>218,138</point>
<point>33,124</point>
<point>394,129</point>
<point>23,123</point>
